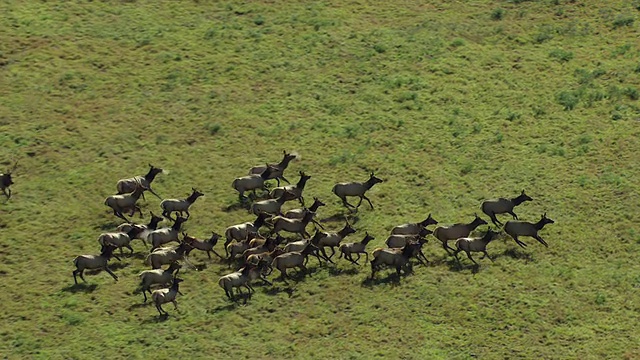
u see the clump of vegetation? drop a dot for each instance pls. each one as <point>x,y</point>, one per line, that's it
<point>561,55</point>
<point>497,14</point>
<point>213,128</point>
<point>623,20</point>
<point>568,99</point>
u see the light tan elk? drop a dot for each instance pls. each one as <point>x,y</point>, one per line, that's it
<point>293,259</point>
<point>398,258</point>
<point>413,228</point>
<point>93,262</point>
<point>251,182</point>
<point>243,231</point>
<point>297,226</point>
<point>502,205</point>
<point>204,245</point>
<point>349,249</point>
<point>456,231</point>
<point>129,185</point>
<point>244,277</point>
<point>399,241</point>
<point>299,213</point>
<point>117,239</point>
<point>272,206</point>
<point>296,189</point>
<point>149,278</point>
<point>165,235</point>
<point>277,171</point>
<point>140,231</point>
<point>125,202</point>
<point>164,256</point>
<point>163,296</point>
<point>6,181</point>
<point>174,205</point>
<point>517,228</point>
<point>333,239</point>
<point>474,244</point>
<point>342,190</point>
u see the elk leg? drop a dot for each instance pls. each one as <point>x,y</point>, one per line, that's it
<point>82,275</point>
<point>494,219</point>
<point>369,201</point>
<point>522,245</point>
<point>486,254</point>
<point>175,305</point>
<point>283,178</point>
<point>111,273</point>
<point>74,277</point>
<point>515,217</point>
<point>537,237</point>
<point>469,256</point>
<point>160,310</point>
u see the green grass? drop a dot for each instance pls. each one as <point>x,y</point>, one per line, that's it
<point>450,103</point>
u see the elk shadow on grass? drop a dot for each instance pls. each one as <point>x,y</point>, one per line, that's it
<point>117,265</point>
<point>139,305</point>
<point>156,319</point>
<point>80,287</point>
<point>275,290</point>
<point>339,217</point>
<point>350,271</point>
<point>516,254</point>
<point>392,279</point>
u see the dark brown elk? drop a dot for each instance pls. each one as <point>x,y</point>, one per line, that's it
<point>129,185</point>
<point>277,169</point>
<point>295,189</point>
<point>6,181</point>
<point>456,231</point>
<point>342,190</point>
<point>517,228</point>
<point>502,206</point>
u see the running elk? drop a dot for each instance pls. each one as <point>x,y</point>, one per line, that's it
<point>474,244</point>
<point>297,226</point>
<point>163,256</point>
<point>342,190</point>
<point>456,231</point>
<point>296,189</point>
<point>93,262</point>
<point>272,206</point>
<point>6,181</point>
<point>125,202</point>
<point>174,205</point>
<point>149,278</point>
<point>140,231</point>
<point>502,205</point>
<point>277,171</point>
<point>399,241</point>
<point>243,231</point>
<point>129,185</point>
<point>293,259</point>
<point>204,245</point>
<point>251,182</point>
<point>163,296</point>
<point>243,277</point>
<point>162,236</point>
<point>522,228</point>
<point>398,258</point>
<point>333,239</point>
<point>299,213</point>
<point>413,228</point>
<point>356,248</point>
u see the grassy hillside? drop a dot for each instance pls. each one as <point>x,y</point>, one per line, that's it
<point>449,102</point>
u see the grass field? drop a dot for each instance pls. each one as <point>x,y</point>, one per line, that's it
<point>450,103</point>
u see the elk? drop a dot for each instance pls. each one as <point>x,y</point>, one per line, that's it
<point>117,239</point>
<point>413,228</point>
<point>204,245</point>
<point>277,169</point>
<point>293,259</point>
<point>399,241</point>
<point>267,257</point>
<point>164,235</point>
<point>333,239</point>
<point>125,202</point>
<point>129,185</point>
<point>297,226</point>
<point>251,182</point>
<point>272,206</point>
<point>474,244</point>
<point>174,205</point>
<point>503,205</point>
<point>398,258</point>
<point>517,228</point>
<point>299,213</point>
<point>163,256</point>
<point>342,190</point>
<point>268,246</point>
<point>140,231</point>
<point>6,181</point>
<point>163,296</point>
<point>157,276</point>
<point>456,231</point>
<point>298,246</point>
<point>243,277</point>
<point>296,189</point>
<point>356,248</point>
<point>243,231</point>
<point>92,262</point>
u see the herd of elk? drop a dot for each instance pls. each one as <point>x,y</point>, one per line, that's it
<point>258,254</point>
